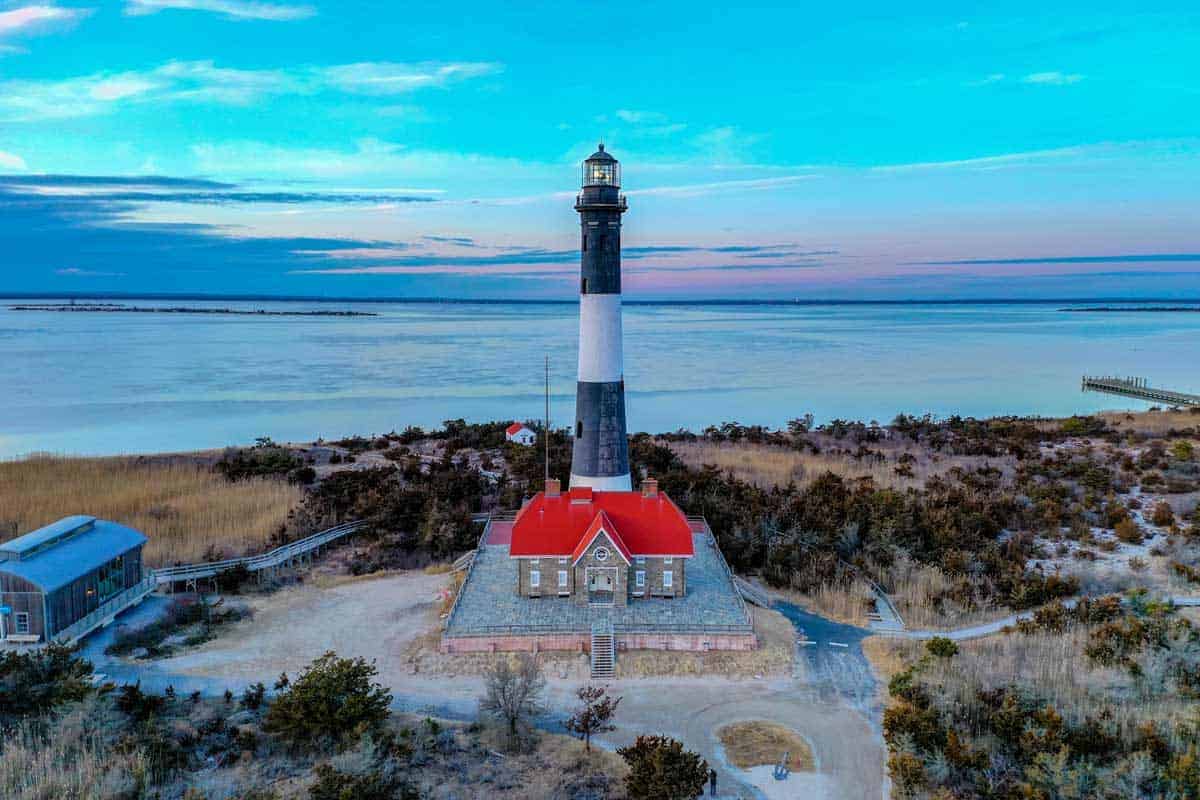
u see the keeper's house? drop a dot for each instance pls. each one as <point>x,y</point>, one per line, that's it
<point>57,575</point>
<point>601,548</point>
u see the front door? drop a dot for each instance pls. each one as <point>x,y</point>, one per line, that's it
<point>601,583</point>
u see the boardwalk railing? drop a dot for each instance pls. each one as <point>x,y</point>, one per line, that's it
<point>487,528</point>
<point>108,609</point>
<point>1139,388</point>
<point>280,555</point>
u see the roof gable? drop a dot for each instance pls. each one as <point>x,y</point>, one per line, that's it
<point>516,428</point>
<point>601,526</point>
<point>555,525</point>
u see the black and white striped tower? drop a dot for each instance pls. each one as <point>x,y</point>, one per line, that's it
<point>600,458</point>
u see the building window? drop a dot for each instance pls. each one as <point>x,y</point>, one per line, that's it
<point>601,554</point>
<point>583,286</point>
<point>639,578</point>
<point>668,579</point>
<point>535,579</point>
<point>585,243</point>
<point>579,429</point>
<point>535,561</point>
<point>21,620</point>
<point>668,560</point>
<point>111,578</point>
<point>564,560</point>
<point>640,560</point>
<point>562,578</point>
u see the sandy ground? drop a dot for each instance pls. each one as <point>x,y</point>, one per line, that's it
<point>375,618</point>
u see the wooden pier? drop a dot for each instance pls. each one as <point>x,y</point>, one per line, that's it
<point>1139,388</point>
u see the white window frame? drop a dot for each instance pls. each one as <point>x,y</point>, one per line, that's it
<point>639,560</point>
<point>639,578</point>
<point>564,561</point>
<point>21,623</point>
<point>535,579</point>
<point>667,559</point>
<point>668,579</point>
<point>562,579</point>
<point>535,561</point>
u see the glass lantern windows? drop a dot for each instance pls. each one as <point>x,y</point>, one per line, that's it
<point>601,173</point>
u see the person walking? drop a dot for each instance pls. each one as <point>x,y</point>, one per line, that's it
<point>712,783</point>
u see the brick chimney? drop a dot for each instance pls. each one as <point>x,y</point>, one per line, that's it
<point>553,487</point>
<point>650,487</point>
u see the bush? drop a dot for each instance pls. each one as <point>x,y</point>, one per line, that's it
<point>137,704</point>
<point>265,460</point>
<point>1128,532</point>
<point>334,699</point>
<point>36,681</point>
<point>1163,515</point>
<point>661,769</point>
<point>333,785</point>
<point>942,647</point>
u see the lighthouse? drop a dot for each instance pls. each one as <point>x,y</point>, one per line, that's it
<point>600,458</point>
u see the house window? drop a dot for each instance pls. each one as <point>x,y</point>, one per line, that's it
<point>639,578</point>
<point>21,619</point>
<point>111,577</point>
<point>601,554</point>
<point>562,579</point>
<point>535,561</point>
<point>535,579</point>
<point>668,560</point>
<point>564,561</point>
<point>640,560</point>
<point>668,577</point>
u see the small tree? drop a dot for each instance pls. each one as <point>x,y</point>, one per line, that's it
<point>514,696</point>
<point>35,682</point>
<point>942,647</point>
<point>593,715</point>
<point>661,769</point>
<point>334,698</point>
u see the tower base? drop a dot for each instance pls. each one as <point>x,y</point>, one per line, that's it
<point>607,483</point>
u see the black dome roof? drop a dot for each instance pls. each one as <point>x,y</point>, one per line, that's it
<point>600,155</point>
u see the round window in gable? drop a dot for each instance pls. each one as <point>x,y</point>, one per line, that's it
<point>601,554</point>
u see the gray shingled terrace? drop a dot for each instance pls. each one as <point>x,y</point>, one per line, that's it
<point>489,604</point>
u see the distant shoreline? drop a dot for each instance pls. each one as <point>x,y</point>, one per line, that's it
<point>267,298</point>
<point>1135,310</point>
<point>116,308</point>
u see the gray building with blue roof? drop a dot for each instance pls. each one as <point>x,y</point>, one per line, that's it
<point>55,576</point>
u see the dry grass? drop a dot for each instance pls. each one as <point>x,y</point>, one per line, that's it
<point>758,743</point>
<point>768,465</point>
<point>776,650</point>
<point>915,589</point>
<point>184,508</point>
<point>70,760</point>
<point>1151,423</point>
<point>846,603</point>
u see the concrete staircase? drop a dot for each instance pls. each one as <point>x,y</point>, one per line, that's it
<point>604,651</point>
<point>751,593</point>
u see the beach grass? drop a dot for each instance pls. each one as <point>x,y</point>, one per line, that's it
<point>189,512</point>
<point>759,743</point>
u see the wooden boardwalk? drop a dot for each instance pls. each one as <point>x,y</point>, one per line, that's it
<point>1139,388</point>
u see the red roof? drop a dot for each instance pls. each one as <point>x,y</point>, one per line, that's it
<point>637,525</point>
<point>514,428</point>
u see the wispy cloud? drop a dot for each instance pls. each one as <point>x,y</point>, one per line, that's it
<point>204,82</point>
<point>1053,78</point>
<point>76,272</point>
<point>11,161</point>
<point>1143,258</point>
<point>37,18</point>
<point>386,78</point>
<point>746,185</point>
<point>233,9</point>
<point>637,117</point>
<point>989,162</point>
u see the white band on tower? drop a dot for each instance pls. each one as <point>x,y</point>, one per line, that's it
<point>600,359</point>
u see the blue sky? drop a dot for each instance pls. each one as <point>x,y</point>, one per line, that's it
<point>378,149</point>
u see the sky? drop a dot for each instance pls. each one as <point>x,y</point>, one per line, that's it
<point>866,151</point>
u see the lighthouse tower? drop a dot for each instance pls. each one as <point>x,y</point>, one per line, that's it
<point>600,458</point>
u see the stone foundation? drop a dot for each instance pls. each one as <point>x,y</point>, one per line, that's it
<point>580,642</point>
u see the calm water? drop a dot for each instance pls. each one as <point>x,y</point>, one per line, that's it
<point>113,383</point>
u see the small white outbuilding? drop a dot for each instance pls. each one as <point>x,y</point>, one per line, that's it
<point>521,434</point>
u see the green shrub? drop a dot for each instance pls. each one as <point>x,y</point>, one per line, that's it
<point>661,769</point>
<point>942,647</point>
<point>36,681</point>
<point>266,459</point>
<point>334,699</point>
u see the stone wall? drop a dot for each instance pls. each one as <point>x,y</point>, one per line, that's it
<point>580,642</point>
